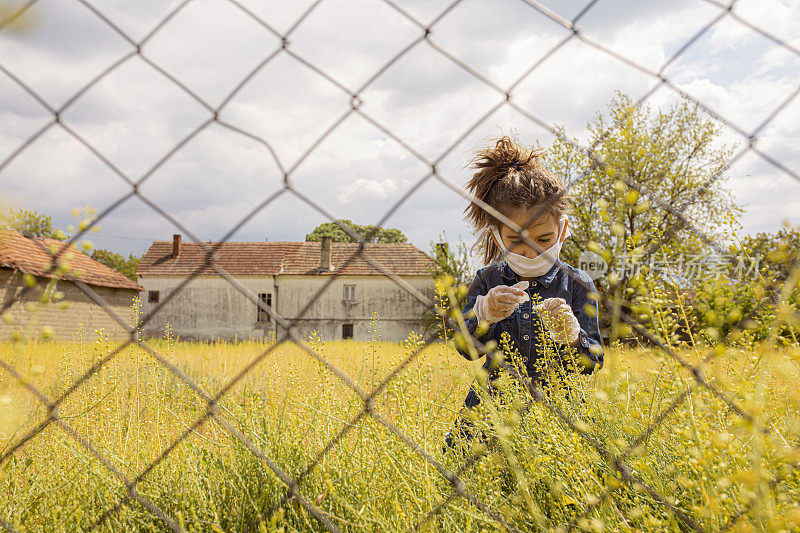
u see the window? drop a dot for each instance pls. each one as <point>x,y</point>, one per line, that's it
<point>152,297</point>
<point>347,331</point>
<point>350,293</point>
<point>264,298</point>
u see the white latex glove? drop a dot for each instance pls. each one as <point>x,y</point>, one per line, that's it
<point>500,301</point>
<point>559,319</point>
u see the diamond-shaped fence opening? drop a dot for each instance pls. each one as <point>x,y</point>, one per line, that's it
<point>306,473</point>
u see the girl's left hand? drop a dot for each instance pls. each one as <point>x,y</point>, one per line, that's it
<point>557,315</point>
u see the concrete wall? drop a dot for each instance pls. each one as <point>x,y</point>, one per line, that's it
<point>210,307</point>
<point>399,312</point>
<point>80,309</point>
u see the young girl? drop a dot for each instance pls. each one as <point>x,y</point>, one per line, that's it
<point>525,291</point>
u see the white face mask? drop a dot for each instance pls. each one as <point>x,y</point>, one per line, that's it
<point>539,265</point>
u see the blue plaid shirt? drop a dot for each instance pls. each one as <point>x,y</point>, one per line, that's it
<point>525,326</point>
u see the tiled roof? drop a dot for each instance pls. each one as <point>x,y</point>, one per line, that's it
<point>31,255</point>
<point>283,257</point>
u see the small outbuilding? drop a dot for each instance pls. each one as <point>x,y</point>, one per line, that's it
<point>292,279</point>
<point>25,259</point>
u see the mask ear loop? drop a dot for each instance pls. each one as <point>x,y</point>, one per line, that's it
<point>497,239</point>
<point>565,229</point>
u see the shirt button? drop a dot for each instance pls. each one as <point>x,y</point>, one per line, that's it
<point>525,337</point>
<point>526,315</point>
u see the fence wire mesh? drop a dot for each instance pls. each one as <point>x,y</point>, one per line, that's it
<point>505,97</point>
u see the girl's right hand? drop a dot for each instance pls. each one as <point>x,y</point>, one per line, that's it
<point>500,301</point>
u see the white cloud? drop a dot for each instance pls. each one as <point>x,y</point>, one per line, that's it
<point>66,47</point>
<point>777,17</point>
<point>363,187</point>
<point>135,115</point>
<point>649,31</point>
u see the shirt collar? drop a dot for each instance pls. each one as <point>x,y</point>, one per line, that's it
<point>545,279</point>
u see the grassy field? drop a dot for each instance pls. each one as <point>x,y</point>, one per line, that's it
<point>707,461</point>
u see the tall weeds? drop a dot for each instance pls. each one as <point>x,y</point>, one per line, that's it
<point>535,471</point>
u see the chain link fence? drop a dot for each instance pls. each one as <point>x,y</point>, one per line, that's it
<point>505,97</point>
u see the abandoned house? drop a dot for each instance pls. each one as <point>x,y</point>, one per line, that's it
<point>286,276</point>
<point>20,255</point>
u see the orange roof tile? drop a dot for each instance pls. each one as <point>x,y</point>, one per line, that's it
<point>32,255</point>
<point>283,257</point>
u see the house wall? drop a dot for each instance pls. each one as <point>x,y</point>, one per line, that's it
<point>208,306</point>
<point>399,312</point>
<point>65,316</point>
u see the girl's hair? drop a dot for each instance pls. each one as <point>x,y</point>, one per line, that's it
<point>511,177</point>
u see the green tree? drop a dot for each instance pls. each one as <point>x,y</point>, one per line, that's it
<point>667,156</point>
<point>775,296</point>
<point>658,166</point>
<point>126,267</point>
<point>31,224</point>
<point>778,252</point>
<point>375,234</point>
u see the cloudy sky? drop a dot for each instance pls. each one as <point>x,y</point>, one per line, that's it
<point>135,116</point>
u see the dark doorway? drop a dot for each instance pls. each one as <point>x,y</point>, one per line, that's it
<point>347,331</point>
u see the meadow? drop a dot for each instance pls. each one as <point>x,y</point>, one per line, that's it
<point>537,473</point>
